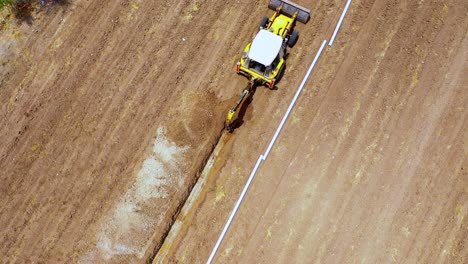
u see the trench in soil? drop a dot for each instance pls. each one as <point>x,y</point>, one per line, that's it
<point>200,175</point>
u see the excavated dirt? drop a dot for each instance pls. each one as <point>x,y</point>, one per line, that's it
<point>109,109</point>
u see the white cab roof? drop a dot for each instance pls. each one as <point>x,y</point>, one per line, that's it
<point>265,47</point>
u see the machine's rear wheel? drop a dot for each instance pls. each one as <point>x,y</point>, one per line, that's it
<point>293,38</point>
<point>281,73</point>
<point>264,22</point>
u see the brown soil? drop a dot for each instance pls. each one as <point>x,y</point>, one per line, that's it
<point>83,95</point>
<point>370,167</point>
<point>110,108</point>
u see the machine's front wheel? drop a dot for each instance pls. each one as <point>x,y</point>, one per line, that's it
<point>293,38</point>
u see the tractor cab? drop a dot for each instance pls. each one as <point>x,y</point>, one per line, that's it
<point>263,58</point>
<point>265,47</point>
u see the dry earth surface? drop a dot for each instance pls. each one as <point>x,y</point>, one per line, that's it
<point>109,110</point>
<point>370,167</point>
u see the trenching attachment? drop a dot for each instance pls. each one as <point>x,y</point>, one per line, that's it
<point>231,119</point>
<point>229,124</point>
<point>289,8</point>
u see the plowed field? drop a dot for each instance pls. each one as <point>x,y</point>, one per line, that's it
<point>110,109</point>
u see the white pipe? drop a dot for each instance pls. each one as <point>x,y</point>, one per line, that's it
<point>299,90</point>
<point>339,23</point>
<point>264,156</point>
<point>234,211</point>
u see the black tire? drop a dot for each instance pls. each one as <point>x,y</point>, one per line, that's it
<point>264,22</point>
<point>274,4</point>
<point>281,73</point>
<point>293,38</point>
